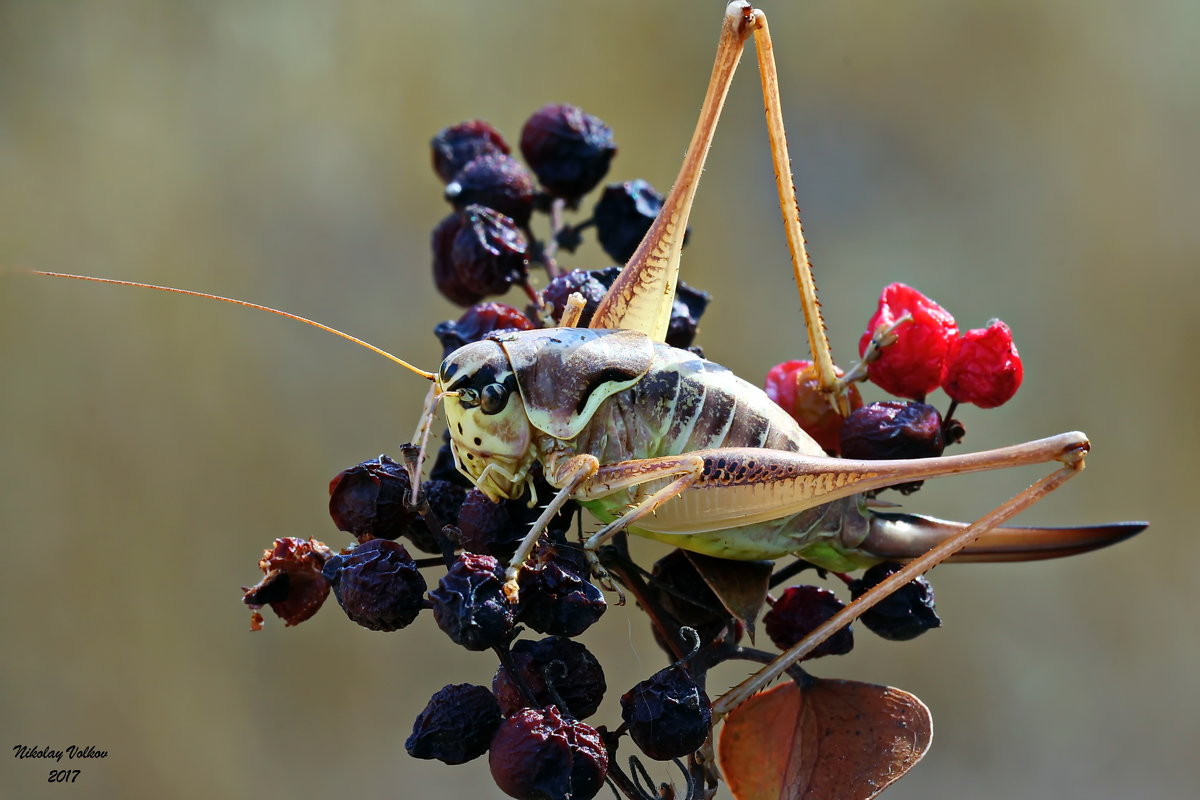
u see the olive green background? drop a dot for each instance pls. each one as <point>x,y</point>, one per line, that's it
<point>1034,161</point>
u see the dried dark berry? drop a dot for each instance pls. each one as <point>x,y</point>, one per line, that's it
<point>496,181</point>
<point>371,500</point>
<point>577,280</point>
<point>377,584</point>
<point>468,604</point>
<point>915,363</point>
<point>983,367</point>
<point>623,214</point>
<point>538,754</point>
<point>902,615</point>
<point>894,430</point>
<point>456,146</point>
<point>454,285</point>
<point>491,528</point>
<point>577,678</point>
<point>477,322</point>
<point>668,715</point>
<point>488,256</point>
<point>567,149</point>
<point>556,597</point>
<point>456,726</point>
<point>798,612</point>
<point>793,385</point>
<point>292,582</point>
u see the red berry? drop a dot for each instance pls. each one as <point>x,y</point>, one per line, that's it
<point>539,754</point>
<point>793,387</point>
<point>984,367</point>
<point>914,364</point>
<point>458,145</point>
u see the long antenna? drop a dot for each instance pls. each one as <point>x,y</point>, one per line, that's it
<point>426,375</point>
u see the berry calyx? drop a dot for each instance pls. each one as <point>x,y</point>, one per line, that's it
<point>914,364</point>
<point>983,367</point>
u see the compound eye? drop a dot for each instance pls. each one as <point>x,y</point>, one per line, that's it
<point>495,397</point>
<point>468,398</point>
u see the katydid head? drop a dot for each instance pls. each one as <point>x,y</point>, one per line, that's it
<point>490,433</point>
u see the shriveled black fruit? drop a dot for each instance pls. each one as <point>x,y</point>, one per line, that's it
<point>454,147</point>
<point>477,322</point>
<point>893,430</point>
<point>456,726</point>
<point>556,596</point>
<point>469,604</point>
<point>668,715</point>
<point>568,149</point>
<point>577,677</point>
<point>292,583</point>
<point>371,500</point>
<point>902,615</point>
<point>577,280</point>
<point>496,181</point>
<point>377,584</point>
<point>798,612</point>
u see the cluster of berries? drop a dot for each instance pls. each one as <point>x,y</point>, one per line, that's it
<point>531,720</point>
<point>911,346</point>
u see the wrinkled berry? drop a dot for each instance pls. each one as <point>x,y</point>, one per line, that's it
<point>491,528</point>
<point>798,612</point>
<point>468,604</point>
<point>906,613</point>
<point>371,500</point>
<point>623,214</point>
<point>477,322</point>
<point>456,146</point>
<point>577,677</point>
<point>894,430</point>
<point>487,255</point>
<point>556,597</point>
<point>794,387</point>
<point>452,283</point>
<point>377,584</point>
<point>539,754</point>
<point>495,181</point>
<point>669,714</point>
<point>984,367</point>
<point>567,149</point>
<point>292,583</point>
<point>914,364</point>
<point>577,280</point>
<point>456,726</point>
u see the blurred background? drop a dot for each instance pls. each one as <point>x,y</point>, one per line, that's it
<point>1033,161</point>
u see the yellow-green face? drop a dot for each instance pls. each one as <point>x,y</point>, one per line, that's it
<point>490,432</point>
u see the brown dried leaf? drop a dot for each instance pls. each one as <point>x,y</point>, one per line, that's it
<point>832,740</point>
<point>741,586</point>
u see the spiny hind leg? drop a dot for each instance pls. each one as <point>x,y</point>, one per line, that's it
<point>1072,465</point>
